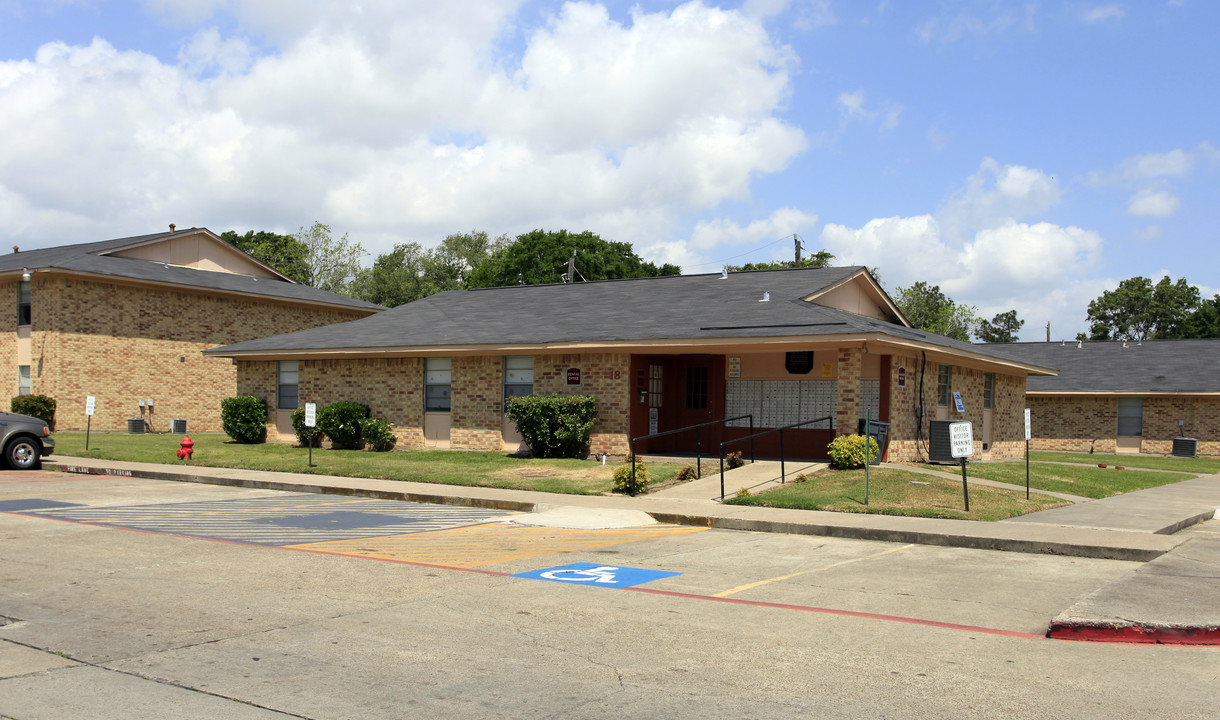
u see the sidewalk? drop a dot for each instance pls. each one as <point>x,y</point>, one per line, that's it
<point>1132,527</point>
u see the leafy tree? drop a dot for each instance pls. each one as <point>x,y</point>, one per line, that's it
<point>541,257</point>
<point>283,253</point>
<point>1205,322</point>
<point>397,277</point>
<point>927,308</point>
<point>1002,328</point>
<point>819,259</point>
<point>1139,310</point>
<point>449,265</point>
<point>333,264</point>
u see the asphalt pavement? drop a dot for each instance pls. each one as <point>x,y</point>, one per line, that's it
<point>1169,599</point>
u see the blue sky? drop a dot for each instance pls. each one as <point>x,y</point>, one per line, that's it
<point>1019,155</point>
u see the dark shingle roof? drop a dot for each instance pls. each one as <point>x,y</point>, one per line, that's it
<point>641,309</point>
<point>84,258</point>
<point>1155,366</point>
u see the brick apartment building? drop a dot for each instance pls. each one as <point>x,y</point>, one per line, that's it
<point>784,346</point>
<point>1123,396</point>
<point>126,321</point>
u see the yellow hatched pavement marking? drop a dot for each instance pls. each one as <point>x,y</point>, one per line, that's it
<point>490,543</point>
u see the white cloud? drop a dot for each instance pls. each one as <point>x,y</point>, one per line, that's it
<point>978,251</point>
<point>396,122</point>
<point>949,28</point>
<point>852,108</point>
<point>997,193</point>
<point>1153,202</point>
<point>1149,233</point>
<point>1102,13</point>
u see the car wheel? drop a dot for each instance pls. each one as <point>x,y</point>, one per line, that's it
<point>22,454</point>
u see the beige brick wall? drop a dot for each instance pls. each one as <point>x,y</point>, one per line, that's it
<point>605,376</point>
<point>393,389</point>
<point>1008,420</point>
<point>125,343</point>
<point>847,409</point>
<point>1079,424</point>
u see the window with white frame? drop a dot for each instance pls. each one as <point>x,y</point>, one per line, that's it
<point>942,385</point>
<point>23,379</point>
<point>518,377</point>
<point>287,384</point>
<point>438,379</point>
<point>988,391</point>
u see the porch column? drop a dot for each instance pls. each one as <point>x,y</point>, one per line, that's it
<point>847,409</point>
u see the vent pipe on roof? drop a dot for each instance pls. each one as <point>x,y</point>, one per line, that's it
<point>25,274</point>
<point>1124,343</point>
<point>724,274</point>
<point>16,249</point>
<point>1079,345</point>
<point>171,228</point>
<point>766,297</point>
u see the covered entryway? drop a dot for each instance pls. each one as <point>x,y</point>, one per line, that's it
<point>677,391</point>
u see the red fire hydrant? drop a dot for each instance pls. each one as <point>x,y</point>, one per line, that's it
<point>188,447</point>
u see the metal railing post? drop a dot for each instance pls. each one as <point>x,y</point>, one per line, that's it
<point>752,457</point>
<point>632,462</point>
<point>782,472</point>
<point>722,472</point>
<point>698,453</point>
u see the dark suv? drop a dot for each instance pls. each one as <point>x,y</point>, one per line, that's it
<point>25,440</point>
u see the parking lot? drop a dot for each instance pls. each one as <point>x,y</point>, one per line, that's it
<point>327,606</point>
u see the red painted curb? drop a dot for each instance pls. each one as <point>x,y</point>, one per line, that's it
<point>1143,634</point>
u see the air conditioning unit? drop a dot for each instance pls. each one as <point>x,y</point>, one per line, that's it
<point>135,426</point>
<point>939,448</point>
<point>177,426</point>
<point>1185,447</point>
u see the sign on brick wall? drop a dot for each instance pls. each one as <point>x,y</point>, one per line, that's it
<point>573,376</point>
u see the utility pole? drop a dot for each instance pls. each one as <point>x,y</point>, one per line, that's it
<point>571,274</point>
<point>1048,330</point>
<point>797,241</point>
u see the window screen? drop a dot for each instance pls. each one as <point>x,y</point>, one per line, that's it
<point>23,379</point>
<point>988,390</point>
<point>23,302</point>
<point>438,375</point>
<point>942,386</point>
<point>518,377</point>
<point>1130,417</point>
<point>288,384</point>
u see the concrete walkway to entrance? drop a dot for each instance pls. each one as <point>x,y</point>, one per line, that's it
<point>1168,600</point>
<point>755,477</point>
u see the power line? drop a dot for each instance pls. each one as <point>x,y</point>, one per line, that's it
<point>721,263</point>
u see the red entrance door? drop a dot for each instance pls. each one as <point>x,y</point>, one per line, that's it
<point>698,398</point>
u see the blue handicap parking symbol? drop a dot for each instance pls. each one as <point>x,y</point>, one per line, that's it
<point>607,576</point>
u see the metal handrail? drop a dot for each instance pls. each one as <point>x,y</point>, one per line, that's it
<point>698,444</point>
<point>751,437</point>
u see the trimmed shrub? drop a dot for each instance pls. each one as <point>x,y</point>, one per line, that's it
<point>342,422</point>
<point>734,460</point>
<point>554,425</point>
<point>244,418</point>
<point>623,482</point>
<point>39,406</point>
<point>304,434</point>
<point>379,435</point>
<point>686,474</point>
<point>847,451</point>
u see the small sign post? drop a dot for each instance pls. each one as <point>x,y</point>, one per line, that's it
<point>961,443</point>
<point>868,446</point>
<point>1027,436</point>
<point>90,406</point>
<point>311,421</point>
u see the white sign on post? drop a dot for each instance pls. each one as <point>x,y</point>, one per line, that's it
<point>90,404</point>
<point>1028,434</point>
<point>311,414</point>
<point>961,439</point>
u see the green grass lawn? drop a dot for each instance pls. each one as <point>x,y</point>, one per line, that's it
<point>898,492</point>
<point>1200,465</point>
<point>1086,480</point>
<point>450,467</point>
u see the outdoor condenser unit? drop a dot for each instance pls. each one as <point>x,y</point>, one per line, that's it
<point>1185,447</point>
<point>939,449</point>
<point>135,426</point>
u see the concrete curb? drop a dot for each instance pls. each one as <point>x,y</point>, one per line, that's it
<point>1034,539</point>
